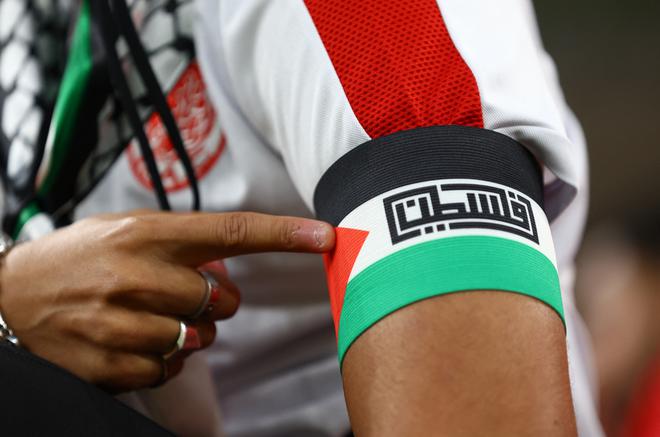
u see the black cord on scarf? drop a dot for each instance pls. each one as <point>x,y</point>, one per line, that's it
<point>103,15</point>
<point>125,22</point>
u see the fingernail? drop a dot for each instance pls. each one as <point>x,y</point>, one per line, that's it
<point>217,265</point>
<point>323,235</point>
<point>314,233</point>
<point>192,339</point>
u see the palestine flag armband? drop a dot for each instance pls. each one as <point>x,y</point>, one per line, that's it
<point>431,211</point>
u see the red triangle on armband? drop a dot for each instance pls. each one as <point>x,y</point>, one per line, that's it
<point>339,264</point>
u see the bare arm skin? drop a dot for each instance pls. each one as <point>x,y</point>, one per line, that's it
<point>463,364</point>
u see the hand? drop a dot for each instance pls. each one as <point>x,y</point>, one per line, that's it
<point>103,297</point>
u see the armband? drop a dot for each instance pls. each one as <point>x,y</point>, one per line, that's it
<point>431,211</point>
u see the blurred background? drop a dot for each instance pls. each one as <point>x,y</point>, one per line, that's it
<point>608,56</point>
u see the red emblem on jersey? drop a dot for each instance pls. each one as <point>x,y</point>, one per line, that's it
<point>200,130</point>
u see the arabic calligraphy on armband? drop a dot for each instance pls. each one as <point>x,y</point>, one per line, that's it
<point>419,211</point>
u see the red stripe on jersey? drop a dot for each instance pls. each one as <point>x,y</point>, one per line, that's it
<point>397,64</point>
<point>338,266</point>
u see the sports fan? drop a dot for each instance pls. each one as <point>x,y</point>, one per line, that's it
<point>432,135</point>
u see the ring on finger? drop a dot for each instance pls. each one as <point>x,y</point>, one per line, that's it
<point>188,339</point>
<point>211,295</point>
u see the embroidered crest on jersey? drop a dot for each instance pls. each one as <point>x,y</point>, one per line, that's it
<point>200,130</point>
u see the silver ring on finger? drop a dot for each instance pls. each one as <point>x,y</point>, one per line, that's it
<point>211,295</point>
<point>188,339</point>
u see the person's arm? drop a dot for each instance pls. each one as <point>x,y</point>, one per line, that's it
<point>468,364</point>
<point>408,126</point>
<point>445,294</point>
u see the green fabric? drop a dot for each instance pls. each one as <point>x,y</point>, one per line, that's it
<point>444,266</point>
<point>26,214</point>
<point>69,99</point>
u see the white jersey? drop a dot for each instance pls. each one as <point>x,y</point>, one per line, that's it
<point>290,88</point>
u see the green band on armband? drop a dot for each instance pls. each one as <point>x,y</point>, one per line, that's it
<point>444,266</point>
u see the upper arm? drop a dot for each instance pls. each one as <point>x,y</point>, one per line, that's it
<point>419,129</point>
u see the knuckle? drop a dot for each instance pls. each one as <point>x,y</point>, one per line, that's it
<point>127,231</point>
<point>232,231</point>
<point>133,282</point>
<point>113,331</point>
<point>110,283</point>
<point>110,289</point>
<point>73,324</point>
<point>107,373</point>
<point>287,234</point>
<point>104,332</point>
<point>81,324</point>
<point>119,279</point>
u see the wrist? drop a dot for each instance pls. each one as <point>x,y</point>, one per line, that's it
<point>6,244</point>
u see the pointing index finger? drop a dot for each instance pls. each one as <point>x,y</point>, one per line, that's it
<point>199,237</point>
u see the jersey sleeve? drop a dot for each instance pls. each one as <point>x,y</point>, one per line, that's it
<point>427,132</point>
